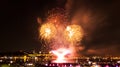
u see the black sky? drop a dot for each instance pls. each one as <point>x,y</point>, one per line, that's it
<point>19,27</point>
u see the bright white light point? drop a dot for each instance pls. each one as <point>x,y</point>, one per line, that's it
<point>46,64</point>
<point>68,28</point>
<point>89,62</point>
<point>48,31</point>
<point>71,33</point>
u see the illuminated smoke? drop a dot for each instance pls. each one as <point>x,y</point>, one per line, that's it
<point>68,5</point>
<point>61,53</point>
<point>61,35</point>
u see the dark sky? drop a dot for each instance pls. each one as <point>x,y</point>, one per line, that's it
<point>19,27</point>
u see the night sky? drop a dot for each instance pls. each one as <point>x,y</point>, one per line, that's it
<point>100,20</point>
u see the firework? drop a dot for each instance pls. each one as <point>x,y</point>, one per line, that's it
<point>61,55</point>
<point>73,33</point>
<point>62,36</point>
<point>47,31</point>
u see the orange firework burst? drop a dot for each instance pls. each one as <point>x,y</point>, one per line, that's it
<point>47,31</point>
<point>73,33</point>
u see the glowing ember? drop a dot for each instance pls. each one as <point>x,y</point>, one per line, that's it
<point>61,55</point>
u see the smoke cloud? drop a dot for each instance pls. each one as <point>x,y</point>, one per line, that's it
<point>94,17</point>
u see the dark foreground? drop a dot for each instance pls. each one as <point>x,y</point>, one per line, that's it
<point>92,64</point>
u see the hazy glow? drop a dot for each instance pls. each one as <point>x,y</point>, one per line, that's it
<point>61,53</point>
